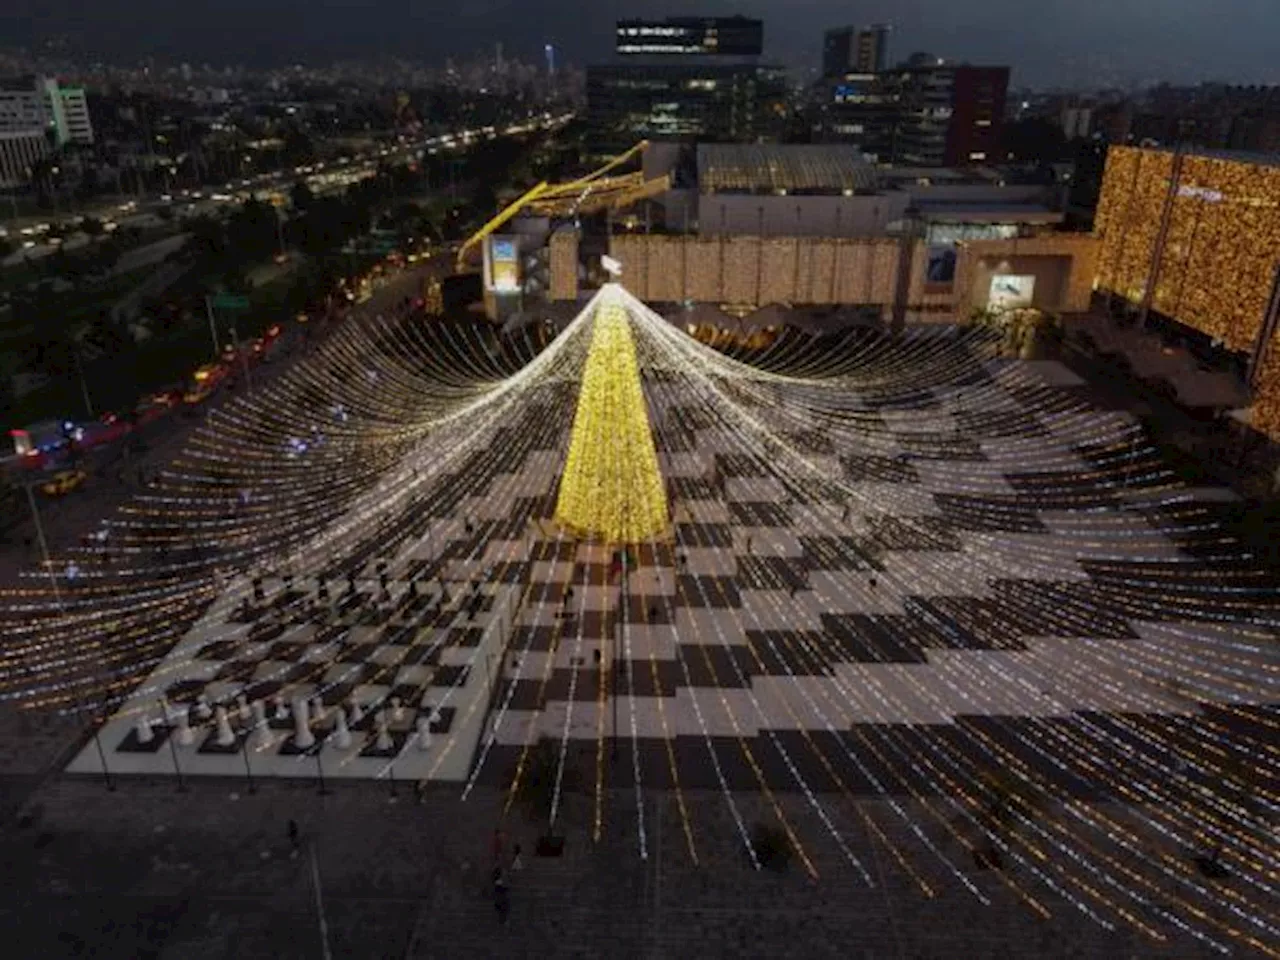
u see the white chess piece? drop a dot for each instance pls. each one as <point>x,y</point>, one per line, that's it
<point>226,737</point>
<point>242,708</point>
<point>143,728</point>
<point>317,709</point>
<point>203,710</point>
<point>341,732</point>
<point>357,712</point>
<point>397,710</point>
<point>170,712</point>
<point>186,736</point>
<point>282,712</point>
<point>302,735</point>
<point>261,731</point>
<point>384,741</point>
<point>424,733</point>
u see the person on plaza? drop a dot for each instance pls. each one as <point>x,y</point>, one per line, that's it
<point>294,839</point>
<point>501,895</point>
<point>517,858</point>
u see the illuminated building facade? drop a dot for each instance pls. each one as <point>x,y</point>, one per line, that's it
<point>691,36</point>
<point>684,101</point>
<point>1194,237</point>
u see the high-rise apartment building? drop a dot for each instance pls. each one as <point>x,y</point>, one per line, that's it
<point>40,104</point>
<point>855,50</point>
<point>691,36</point>
<point>686,78</point>
<point>951,114</point>
<point>927,113</point>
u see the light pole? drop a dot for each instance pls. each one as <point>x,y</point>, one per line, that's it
<point>213,327</point>
<point>62,612</point>
<point>248,773</point>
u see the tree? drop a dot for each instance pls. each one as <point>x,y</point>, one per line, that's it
<point>301,196</point>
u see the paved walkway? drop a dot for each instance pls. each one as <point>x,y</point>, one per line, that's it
<point>149,872</point>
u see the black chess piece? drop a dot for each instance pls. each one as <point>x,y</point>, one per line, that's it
<point>351,583</point>
<point>383,580</point>
<point>413,589</point>
<point>258,595</point>
<point>288,581</point>
<point>469,527</point>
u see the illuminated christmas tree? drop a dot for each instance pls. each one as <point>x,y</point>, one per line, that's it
<point>612,488</point>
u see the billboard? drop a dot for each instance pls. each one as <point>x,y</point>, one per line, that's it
<point>1011,291</point>
<point>503,262</point>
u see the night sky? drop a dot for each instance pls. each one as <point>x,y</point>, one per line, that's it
<point>1045,41</point>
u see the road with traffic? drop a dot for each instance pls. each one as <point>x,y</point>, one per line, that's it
<point>115,474</point>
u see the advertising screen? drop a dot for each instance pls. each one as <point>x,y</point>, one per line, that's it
<point>1010,291</point>
<point>504,265</point>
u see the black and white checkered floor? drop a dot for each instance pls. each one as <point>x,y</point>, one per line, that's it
<point>896,566</point>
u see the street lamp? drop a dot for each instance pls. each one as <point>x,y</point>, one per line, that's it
<point>62,612</point>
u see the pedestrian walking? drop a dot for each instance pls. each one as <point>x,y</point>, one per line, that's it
<point>517,858</point>
<point>294,840</point>
<point>501,895</point>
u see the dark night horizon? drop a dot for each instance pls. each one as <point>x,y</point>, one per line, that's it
<point>1066,42</point>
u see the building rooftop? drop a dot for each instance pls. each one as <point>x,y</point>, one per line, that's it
<point>995,212</point>
<point>772,168</point>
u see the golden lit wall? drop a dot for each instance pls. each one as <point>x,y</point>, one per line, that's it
<point>755,270</point>
<point>564,265</point>
<point>1222,245</point>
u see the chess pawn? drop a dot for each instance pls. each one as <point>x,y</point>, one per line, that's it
<point>281,712</point>
<point>203,710</point>
<point>317,709</point>
<point>226,737</point>
<point>424,733</point>
<point>302,735</point>
<point>357,712</point>
<point>384,741</point>
<point>242,708</point>
<point>397,709</point>
<point>143,728</point>
<point>186,736</point>
<point>341,732</point>
<point>261,731</point>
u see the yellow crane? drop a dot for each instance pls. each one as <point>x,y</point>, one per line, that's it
<point>586,194</point>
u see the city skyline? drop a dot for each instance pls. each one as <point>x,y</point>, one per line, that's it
<point>1186,41</point>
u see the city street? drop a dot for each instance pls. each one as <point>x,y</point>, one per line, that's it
<point>115,477</point>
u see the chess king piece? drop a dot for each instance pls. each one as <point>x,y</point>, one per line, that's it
<point>424,733</point>
<point>226,737</point>
<point>384,741</point>
<point>302,735</point>
<point>143,729</point>
<point>341,732</point>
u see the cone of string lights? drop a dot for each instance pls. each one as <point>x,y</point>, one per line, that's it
<point>612,489</point>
